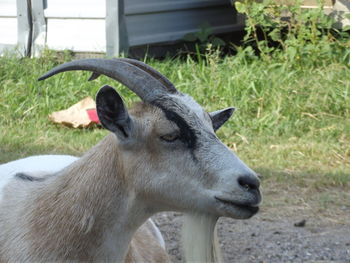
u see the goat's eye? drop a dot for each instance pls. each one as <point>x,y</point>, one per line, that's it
<point>170,137</point>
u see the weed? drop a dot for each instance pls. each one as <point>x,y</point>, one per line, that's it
<point>290,34</point>
<point>204,40</point>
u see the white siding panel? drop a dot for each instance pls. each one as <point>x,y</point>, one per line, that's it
<point>8,31</point>
<point>8,8</point>
<point>75,9</point>
<point>78,35</point>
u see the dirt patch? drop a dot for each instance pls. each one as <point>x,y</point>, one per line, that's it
<point>269,239</point>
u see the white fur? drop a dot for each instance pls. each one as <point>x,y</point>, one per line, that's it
<point>199,238</point>
<point>33,165</point>
<point>157,233</point>
<point>48,163</point>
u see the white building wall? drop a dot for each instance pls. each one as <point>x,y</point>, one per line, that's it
<point>81,25</point>
<point>8,24</point>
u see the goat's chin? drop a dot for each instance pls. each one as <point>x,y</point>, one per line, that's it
<point>236,211</point>
<point>243,213</point>
<point>222,206</point>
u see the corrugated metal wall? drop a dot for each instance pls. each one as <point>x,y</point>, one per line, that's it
<point>155,21</point>
<point>109,26</point>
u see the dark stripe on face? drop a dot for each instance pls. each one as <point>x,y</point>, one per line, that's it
<point>187,134</point>
<point>26,177</point>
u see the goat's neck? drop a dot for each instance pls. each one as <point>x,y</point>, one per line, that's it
<point>89,204</point>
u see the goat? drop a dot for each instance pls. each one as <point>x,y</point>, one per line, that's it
<point>161,155</point>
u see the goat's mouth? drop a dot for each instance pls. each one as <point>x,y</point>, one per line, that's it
<point>246,210</point>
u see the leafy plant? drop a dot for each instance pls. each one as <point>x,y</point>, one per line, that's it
<point>204,38</point>
<point>290,33</point>
<point>347,27</point>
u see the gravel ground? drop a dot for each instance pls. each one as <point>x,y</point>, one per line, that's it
<point>266,240</point>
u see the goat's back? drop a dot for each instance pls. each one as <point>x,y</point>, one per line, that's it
<point>146,246</point>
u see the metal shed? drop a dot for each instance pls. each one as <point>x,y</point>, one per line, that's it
<point>110,26</point>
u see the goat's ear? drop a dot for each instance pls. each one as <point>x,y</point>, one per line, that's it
<point>219,117</point>
<point>112,113</point>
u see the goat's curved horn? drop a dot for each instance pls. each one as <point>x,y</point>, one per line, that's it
<point>136,79</point>
<point>154,73</point>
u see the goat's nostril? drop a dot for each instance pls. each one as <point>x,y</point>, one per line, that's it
<point>260,176</point>
<point>249,182</point>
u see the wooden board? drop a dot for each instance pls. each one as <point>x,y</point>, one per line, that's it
<point>75,9</point>
<point>8,8</point>
<point>8,31</point>
<point>76,34</point>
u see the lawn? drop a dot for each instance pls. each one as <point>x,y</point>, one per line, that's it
<point>292,125</point>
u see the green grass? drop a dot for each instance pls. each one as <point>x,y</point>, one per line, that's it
<point>291,125</point>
